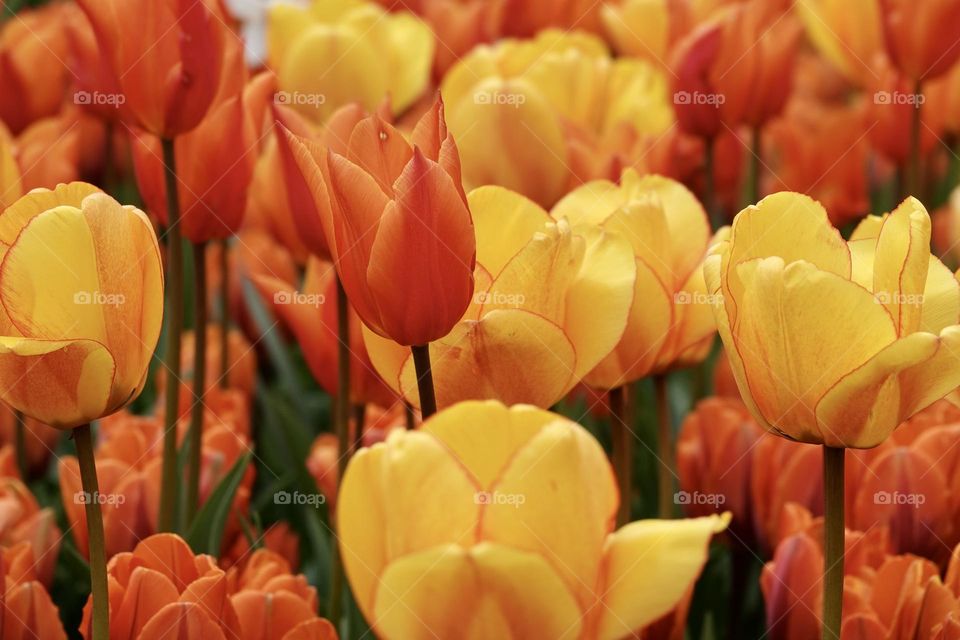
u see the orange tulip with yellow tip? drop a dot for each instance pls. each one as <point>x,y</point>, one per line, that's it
<point>668,231</point>
<point>311,315</point>
<point>551,302</point>
<point>365,54</point>
<point>82,288</point>
<point>847,34</point>
<point>835,342</point>
<point>169,73</point>
<point>514,536</point>
<point>396,211</point>
<point>519,107</point>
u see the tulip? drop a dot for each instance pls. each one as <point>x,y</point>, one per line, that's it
<point>11,182</point>
<point>48,152</point>
<point>521,108</point>
<point>528,17</point>
<point>32,53</point>
<point>29,532</point>
<point>921,40</point>
<point>278,538</point>
<point>848,35</point>
<point>38,441</point>
<point>169,75</point>
<point>28,610</point>
<point>366,54</point>
<point>311,315</point>
<point>551,303</point>
<point>241,360</point>
<point>495,531</point>
<point>876,347</point>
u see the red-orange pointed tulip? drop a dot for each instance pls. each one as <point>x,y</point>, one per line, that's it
<point>922,38</point>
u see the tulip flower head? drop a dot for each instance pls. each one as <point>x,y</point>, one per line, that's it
<point>514,534</point>
<point>834,342</point>
<point>82,288</point>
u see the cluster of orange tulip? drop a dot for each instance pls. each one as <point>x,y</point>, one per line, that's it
<point>427,318</point>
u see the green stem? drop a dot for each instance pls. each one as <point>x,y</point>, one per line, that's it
<point>408,416</point>
<point>833,535</point>
<point>342,424</point>
<point>622,451</point>
<point>199,380</point>
<point>754,167</point>
<point>913,168</point>
<point>421,363</point>
<point>224,312</point>
<point>709,188</point>
<point>20,436</point>
<point>665,444</point>
<point>98,556</point>
<point>174,313</point>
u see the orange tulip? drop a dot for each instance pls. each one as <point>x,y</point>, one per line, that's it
<point>278,538</point>
<point>241,361</point>
<point>27,533</point>
<point>48,151</point>
<point>81,318</point>
<point>26,610</point>
<point>40,439</point>
<point>311,314</point>
<point>892,102</point>
<point>32,54</point>
<point>396,212</point>
<point>715,455</point>
<point>527,17</point>
<point>922,39</point>
<point>169,73</point>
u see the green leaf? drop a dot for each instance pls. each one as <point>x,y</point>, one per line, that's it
<point>206,532</point>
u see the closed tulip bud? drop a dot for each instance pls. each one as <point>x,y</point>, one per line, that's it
<point>695,97</point>
<point>668,231</point>
<point>714,460</point>
<point>867,329</point>
<point>921,39</point>
<point>398,214</point>
<point>551,302</point>
<point>495,530</point>
<point>848,34</point>
<point>366,54</point>
<point>82,288</point>
<point>169,74</point>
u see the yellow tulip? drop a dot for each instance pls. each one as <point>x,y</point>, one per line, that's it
<point>514,107</point>
<point>834,342</point>
<point>513,535</point>
<point>335,52</point>
<point>671,321</point>
<point>82,287</point>
<point>848,34</point>
<point>550,303</point>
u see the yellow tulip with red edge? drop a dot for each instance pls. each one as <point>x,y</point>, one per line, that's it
<point>834,342</point>
<point>550,302</point>
<point>82,287</point>
<point>513,535</point>
<point>669,233</point>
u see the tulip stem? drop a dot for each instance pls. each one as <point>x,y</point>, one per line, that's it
<point>20,436</point>
<point>199,379</point>
<point>753,178</point>
<point>913,168</point>
<point>408,416</point>
<point>833,459</point>
<point>95,544</point>
<point>224,311</point>
<point>359,421</point>
<point>421,362</point>
<point>622,437</point>
<point>665,442</point>
<point>174,317</point>
<point>342,424</point>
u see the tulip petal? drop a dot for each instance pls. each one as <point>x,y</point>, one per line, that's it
<point>147,593</point>
<point>901,262</point>
<point>63,383</point>
<point>941,298</point>
<point>800,330</point>
<point>562,459</point>
<point>488,591</point>
<point>264,616</point>
<point>317,629</point>
<point>28,612</point>
<point>647,568</point>
<point>17,215</point>
<point>380,150</point>
<point>504,222</point>
<point>181,621</point>
<point>509,355</point>
<point>410,473</point>
<point>168,554</point>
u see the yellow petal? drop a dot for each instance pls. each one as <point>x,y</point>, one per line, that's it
<point>16,216</point>
<point>647,567</point>
<point>868,228</point>
<point>386,356</point>
<point>799,330</point>
<point>557,497</point>
<point>61,383</point>
<point>410,473</point>
<point>941,298</point>
<point>488,591</point>
<point>504,222</point>
<point>901,262</point>
<point>409,46</point>
<point>589,204</point>
<point>510,355</point>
